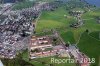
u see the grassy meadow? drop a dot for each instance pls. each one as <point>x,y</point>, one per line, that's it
<point>90,46</point>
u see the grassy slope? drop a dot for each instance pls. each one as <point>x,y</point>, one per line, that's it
<point>91,14</point>
<point>26,58</point>
<point>95,35</point>
<point>90,46</point>
<point>53,19</point>
<point>56,19</point>
<point>47,60</point>
<point>68,37</point>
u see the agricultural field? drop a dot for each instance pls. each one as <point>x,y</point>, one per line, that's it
<point>56,19</point>
<point>53,19</point>
<point>95,35</point>
<point>90,45</point>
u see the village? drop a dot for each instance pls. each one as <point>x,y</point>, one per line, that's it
<point>19,37</point>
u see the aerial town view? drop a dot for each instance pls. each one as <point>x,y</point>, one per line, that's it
<point>49,32</point>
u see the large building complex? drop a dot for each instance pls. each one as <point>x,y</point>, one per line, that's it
<point>43,47</point>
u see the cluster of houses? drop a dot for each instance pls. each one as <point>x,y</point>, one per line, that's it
<point>43,47</point>
<point>77,14</point>
<point>5,7</point>
<point>17,27</point>
<point>15,31</point>
<point>98,19</point>
<point>12,31</point>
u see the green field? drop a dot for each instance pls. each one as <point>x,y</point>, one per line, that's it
<point>53,19</point>
<point>90,46</point>
<point>56,19</point>
<point>95,35</point>
<point>26,58</point>
<point>68,36</point>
